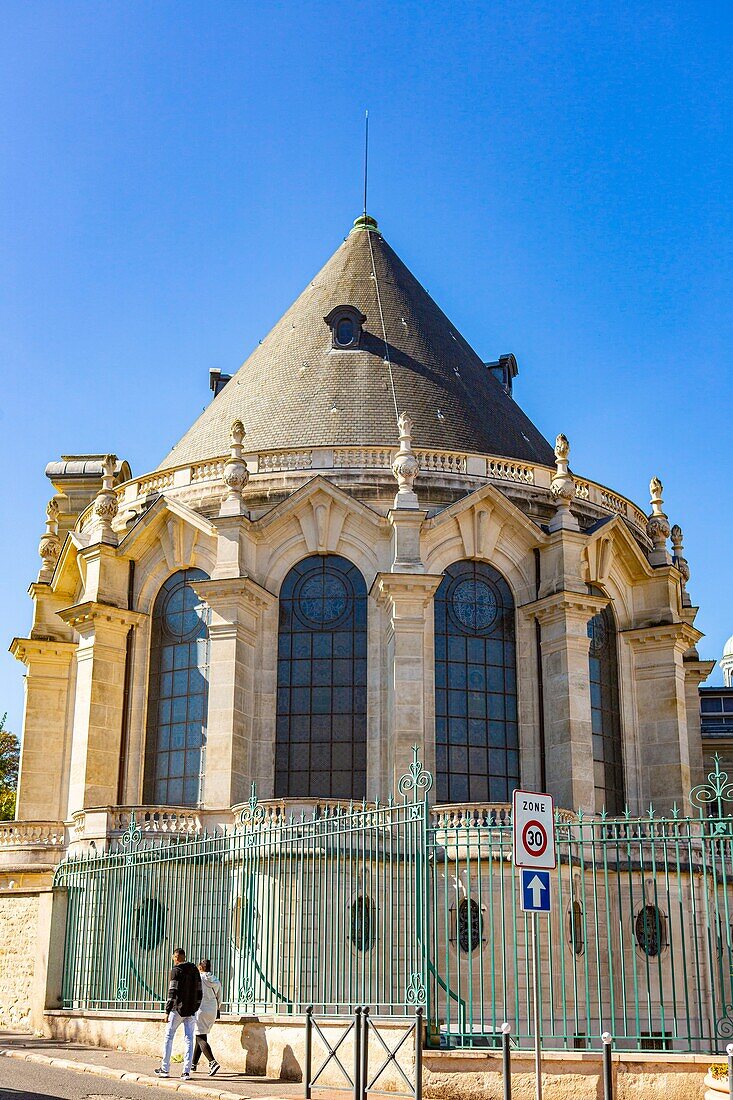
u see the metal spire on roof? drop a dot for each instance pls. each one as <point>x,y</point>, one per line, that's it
<point>366,157</point>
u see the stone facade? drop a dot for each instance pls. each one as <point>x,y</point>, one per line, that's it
<point>345,473</point>
<point>87,687</point>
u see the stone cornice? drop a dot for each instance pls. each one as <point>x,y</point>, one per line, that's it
<point>90,612</point>
<point>559,604</point>
<point>25,649</point>
<point>698,670</point>
<point>679,634</point>
<point>390,588</point>
<point>215,592</point>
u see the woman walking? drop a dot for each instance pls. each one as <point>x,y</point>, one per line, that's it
<point>206,1016</point>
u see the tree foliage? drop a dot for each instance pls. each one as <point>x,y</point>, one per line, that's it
<point>9,763</point>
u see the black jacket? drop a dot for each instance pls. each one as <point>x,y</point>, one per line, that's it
<point>184,989</point>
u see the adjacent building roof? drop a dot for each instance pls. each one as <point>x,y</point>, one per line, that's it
<point>298,390</point>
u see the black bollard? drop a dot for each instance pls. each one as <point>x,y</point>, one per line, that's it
<point>418,1052</point>
<point>308,1068</point>
<point>364,1072</point>
<point>607,1039</point>
<point>357,1054</point>
<point>506,1059</point>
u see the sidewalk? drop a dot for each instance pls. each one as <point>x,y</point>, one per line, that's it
<point>122,1066</point>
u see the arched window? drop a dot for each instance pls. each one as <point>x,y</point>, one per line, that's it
<point>179,676</point>
<point>321,681</point>
<point>476,745</point>
<point>608,765</point>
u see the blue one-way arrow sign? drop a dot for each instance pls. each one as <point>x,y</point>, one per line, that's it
<point>535,891</point>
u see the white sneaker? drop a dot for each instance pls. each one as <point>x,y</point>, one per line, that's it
<point>161,1073</point>
<point>185,1076</point>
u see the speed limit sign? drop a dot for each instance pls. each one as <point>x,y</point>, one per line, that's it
<point>533,818</point>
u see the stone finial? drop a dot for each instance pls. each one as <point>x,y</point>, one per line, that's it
<point>657,527</point>
<point>106,504</point>
<point>235,474</point>
<point>562,488</point>
<point>680,561</point>
<point>405,466</point>
<point>49,547</point>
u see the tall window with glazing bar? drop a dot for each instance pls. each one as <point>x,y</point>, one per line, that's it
<point>476,739</point>
<point>177,699</point>
<point>322,681</point>
<point>608,765</point>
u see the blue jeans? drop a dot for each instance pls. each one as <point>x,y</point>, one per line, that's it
<point>189,1026</point>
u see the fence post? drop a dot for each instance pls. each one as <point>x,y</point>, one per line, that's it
<point>729,1052</point>
<point>357,1054</point>
<point>418,1052</point>
<point>364,1073</point>
<point>506,1060</point>
<point>607,1039</point>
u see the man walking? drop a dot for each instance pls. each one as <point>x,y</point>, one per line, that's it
<point>184,998</point>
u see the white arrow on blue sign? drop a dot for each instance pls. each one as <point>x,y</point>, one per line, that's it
<point>535,891</point>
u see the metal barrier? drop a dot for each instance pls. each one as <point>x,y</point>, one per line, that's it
<point>415,1031</point>
<point>311,1080</point>
<point>362,1028</point>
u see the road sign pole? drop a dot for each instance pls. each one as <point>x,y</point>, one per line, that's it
<point>536,1007</point>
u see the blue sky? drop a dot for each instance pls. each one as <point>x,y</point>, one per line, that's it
<point>556,174</point>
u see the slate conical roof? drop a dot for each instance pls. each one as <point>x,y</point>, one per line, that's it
<point>296,390</point>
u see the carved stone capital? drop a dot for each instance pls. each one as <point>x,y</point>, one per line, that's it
<point>680,636</point>
<point>86,617</point>
<point>46,650</point>
<point>405,596</point>
<point>228,592</point>
<point>565,606</point>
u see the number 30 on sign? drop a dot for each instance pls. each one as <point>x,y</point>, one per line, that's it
<point>533,817</point>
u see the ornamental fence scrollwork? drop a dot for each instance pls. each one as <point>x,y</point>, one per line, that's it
<point>254,812</point>
<point>416,780</point>
<point>717,791</point>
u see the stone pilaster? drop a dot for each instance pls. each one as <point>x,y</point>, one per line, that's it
<point>42,782</point>
<point>237,605</point>
<point>406,526</point>
<point>564,618</point>
<point>406,599</point>
<point>669,752</point>
<point>695,672</point>
<point>98,701</point>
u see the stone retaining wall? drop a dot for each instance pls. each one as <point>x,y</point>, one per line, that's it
<point>18,943</point>
<point>274,1047</point>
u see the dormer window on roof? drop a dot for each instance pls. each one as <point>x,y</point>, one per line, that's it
<point>345,323</point>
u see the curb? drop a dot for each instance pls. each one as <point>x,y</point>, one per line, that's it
<point>139,1078</point>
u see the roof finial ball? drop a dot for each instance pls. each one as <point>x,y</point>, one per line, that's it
<point>50,545</point>
<point>106,504</point>
<point>680,561</point>
<point>562,488</point>
<point>657,527</point>
<point>405,466</point>
<point>235,474</point>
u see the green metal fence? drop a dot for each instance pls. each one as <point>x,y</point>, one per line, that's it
<point>397,906</point>
<point>325,910</point>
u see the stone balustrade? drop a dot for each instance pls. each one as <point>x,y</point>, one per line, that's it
<point>457,815</point>
<point>324,459</point>
<point>110,822</point>
<point>29,849</point>
<point>32,834</point>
